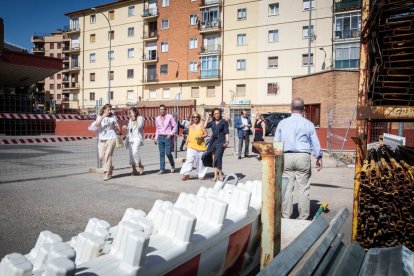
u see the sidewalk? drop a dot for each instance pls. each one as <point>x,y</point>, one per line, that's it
<point>63,205</point>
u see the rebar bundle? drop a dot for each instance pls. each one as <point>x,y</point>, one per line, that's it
<point>386,200</point>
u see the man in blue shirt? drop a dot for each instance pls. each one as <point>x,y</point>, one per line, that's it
<point>300,140</point>
<point>243,125</point>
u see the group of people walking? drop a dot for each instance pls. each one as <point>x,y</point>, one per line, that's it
<point>297,133</point>
<point>199,155</point>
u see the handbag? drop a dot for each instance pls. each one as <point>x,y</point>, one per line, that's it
<point>119,142</point>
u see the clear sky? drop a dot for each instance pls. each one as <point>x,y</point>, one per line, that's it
<point>23,18</point>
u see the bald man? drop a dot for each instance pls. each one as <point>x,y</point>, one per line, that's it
<point>300,140</point>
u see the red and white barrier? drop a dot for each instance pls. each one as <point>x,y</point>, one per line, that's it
<point>20,116</point>
<point>20,141</point>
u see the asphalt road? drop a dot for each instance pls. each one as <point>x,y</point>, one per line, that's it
<point>63,204</point>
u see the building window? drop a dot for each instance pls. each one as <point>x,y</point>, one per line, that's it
<point>166,94</point>
<point>164,69</point>
<point>348,25</point>
<point>75,96</point>
<point>306,4</point>
<point>211,91</point>
<point>273,62</point>
<point>153,94</point>
<point>273,36</point>
<point>92,57</point>
<point>59,86</point>
<point>59,96</point>
<point>193,19</point>
<point>347,55</point>
<point>165,3</point>
<point>241,39</point>
<point>131,31</point>
<point>111,35</point>
<point>195,92</point>
<point>209,67</point>
<point>164,24</point>
<point>193,67</point>
<point>305,31</point>
<point>59,76</point>
<point>131,10</point>
<point>111,75</point>
<point>92,19</point>
<point>241,14</point>
<point>241,64</point>
<point>59,55</point>
<point>130,95</point>
<point>92,38</point>
<point>130,73</point>
<point>111,15</point>
<point>305,59</point>
<point>313,113</point>
<point>273,9</point>
<point>131,53</point>
<point>272,88</point>
<point>91,76</point>
<point>164,47</point>
<point>193,43</point>
<point>52,77</point>
<point>51,55</point>
<point>58,45</point>
<point>52,45</point>
<point>92,96</point>
<point>240,90</point>
<point>111,55</point>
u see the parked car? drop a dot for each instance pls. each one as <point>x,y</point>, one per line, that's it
<point>272,120</point>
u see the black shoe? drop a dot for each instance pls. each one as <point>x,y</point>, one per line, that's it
<point>239,157</point>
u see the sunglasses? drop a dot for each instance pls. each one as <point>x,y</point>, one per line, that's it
<point>196,117</point>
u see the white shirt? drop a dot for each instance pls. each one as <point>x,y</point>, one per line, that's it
<point>245,123</point>
<point>136,132</point>
<point>105,131</point>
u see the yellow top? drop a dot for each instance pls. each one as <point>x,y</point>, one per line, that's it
<point>192,141</point>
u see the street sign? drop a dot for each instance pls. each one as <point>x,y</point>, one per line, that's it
<point>223,104</point>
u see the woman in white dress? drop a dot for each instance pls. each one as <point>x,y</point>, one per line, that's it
<point>135,140</point>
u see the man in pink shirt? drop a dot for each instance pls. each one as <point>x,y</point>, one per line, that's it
<point>166,128</point>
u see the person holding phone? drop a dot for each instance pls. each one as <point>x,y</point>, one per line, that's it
<point>107,127</point>
<point>219,141</point>
<point>135,140</point>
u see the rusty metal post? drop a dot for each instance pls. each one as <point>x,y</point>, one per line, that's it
<point>271,215</point>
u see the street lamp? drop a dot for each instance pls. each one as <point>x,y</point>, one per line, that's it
<point>110,51</point>
<point>178,66</point>
<point>324,59</point>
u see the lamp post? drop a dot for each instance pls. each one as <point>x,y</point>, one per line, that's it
<point>324,59</point>
<point>178,66</point>
<point>110,51</point>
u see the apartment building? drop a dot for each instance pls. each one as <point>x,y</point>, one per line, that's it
<point>94,47</point>
<point>237,54</point>
<point>347,32</point>
<point>49,92</point>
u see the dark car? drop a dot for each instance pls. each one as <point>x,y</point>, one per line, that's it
<point>272,120</point>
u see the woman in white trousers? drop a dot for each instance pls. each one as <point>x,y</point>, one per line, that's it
<point>135,140</point>
<point>195,148</point>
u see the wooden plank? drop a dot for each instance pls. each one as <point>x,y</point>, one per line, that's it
<point>307,265</point>
<point>290,256</point>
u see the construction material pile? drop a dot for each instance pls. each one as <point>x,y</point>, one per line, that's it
<point>386,198</point>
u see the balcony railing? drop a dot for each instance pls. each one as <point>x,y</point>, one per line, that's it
<point>348,63</point>
<point>71,49</point>
<point>150,58</point>
<point>210,25</point>
<point>210,74</point>
<point>347,5</point>
<point>151,34</point>
<point>38,49</point>
<point>151,78</point>
<point>210,49</point>
<point>150,12</point>
<point>209,2</point>
<point>347,34</point>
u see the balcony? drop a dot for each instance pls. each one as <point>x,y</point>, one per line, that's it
<point>151,78</point>
<point>150,13</point>
<point>210,26</point>
<point>347,34</point>
<point>71,68</point>
<point>38,38</point>
<point>65,59</point>
<point>210,74</point>
<point>348,63</point>
<point>65,80</point>
<point>72,30</point>
<point>210,50</point>
<point>345,5</point>
<point>210,3</point>
<point>150,36</point>
<point>151,58</point>
<point>73,49</point>
<point>38,50</point>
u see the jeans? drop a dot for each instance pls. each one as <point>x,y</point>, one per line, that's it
<point>164,146</point>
